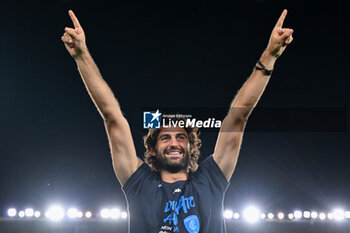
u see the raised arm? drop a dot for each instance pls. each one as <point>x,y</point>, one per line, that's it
<point>125,160</point>
<point>230,136</point>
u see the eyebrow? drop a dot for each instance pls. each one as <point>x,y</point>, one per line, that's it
<point>181,134</point>
<point>178,134</point>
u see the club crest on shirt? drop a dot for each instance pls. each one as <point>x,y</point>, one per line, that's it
<point>192,224</point>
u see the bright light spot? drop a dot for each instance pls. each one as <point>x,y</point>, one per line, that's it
<point>280,215</point>
<point>314,214</point>
<point>11,212</point>
<point>347,214</point>
<point>290,216</point>
<point>236,215</point>
<point>80,214</point>
<point>322,216</point>
<point>72,212</point>
<point>88,214</point>
<point>37,214</point>
<point>124,215</point>
<point>55,213</point>
<point>228,214</point>
<point>298,214</point>
<point>21,214</point>
<point>115,213</point>
<point>105,213</point>
<point>262,216</point>
<point>251,214</point>
<point>29,212</point>
<point>307,214</point>
<point>338,214</point>
<point>330,215</point>
<point>270,215</point>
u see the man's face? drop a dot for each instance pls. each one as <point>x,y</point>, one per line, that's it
<point>172,149</point>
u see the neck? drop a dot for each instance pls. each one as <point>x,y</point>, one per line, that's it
<point>173,177</point>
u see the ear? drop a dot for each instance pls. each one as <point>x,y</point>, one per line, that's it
<point>152,151</point>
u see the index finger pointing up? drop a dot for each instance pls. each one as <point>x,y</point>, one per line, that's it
<point>281,19</point>
<point>74,19</point>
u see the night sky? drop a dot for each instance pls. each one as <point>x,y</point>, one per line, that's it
<point>53,145</point>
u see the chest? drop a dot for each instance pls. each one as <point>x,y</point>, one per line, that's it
<point>175,206</point>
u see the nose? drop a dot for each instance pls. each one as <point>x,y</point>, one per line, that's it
<point>173,141</point>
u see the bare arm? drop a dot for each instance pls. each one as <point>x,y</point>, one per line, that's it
<point>125,160</point>
<point>231,133</point>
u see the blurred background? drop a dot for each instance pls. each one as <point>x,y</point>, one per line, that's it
<point>186,54</point>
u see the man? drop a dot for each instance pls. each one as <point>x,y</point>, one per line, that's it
<point>170,193</point>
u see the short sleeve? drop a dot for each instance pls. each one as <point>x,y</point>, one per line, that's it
<point>136,181</point>
<point>210,173</point>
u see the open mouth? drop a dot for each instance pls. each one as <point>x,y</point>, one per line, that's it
<point>174,154</point>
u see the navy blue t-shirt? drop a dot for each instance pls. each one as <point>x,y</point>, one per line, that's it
<point>194,205</point>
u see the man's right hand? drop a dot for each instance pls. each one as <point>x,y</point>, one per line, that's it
<point>74,38</point>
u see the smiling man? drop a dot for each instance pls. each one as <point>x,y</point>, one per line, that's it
<point>172,152</point>
<point>169,192</point>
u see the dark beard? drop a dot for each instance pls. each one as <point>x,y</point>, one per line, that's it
<point>165,164</point>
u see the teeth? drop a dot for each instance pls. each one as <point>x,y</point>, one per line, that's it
<point>174,153</point>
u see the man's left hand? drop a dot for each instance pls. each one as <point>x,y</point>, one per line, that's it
<point>280,37</point>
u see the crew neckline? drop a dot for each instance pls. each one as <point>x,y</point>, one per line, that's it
<point>173,183</point>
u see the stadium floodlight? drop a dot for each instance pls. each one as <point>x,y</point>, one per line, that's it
<point>105,213</point>
<point>29,212</point>
<point>307,214</point>
<point>330,216</point>
<point>115,213</point>
<point>290,216</point>
<point>298,214</point>
<point>88,214</point>
<point>270,215</point>
<point>314,214</point>
<point>236,215</point>
<point>347,214</point>
<point>338,214</point>
<point>228,214</point>
<point>280,215</point>
<point>72,213</point>
<point>251,214</point>
<point>124,215</point>
<point>11,212</point>
<point>55,213</point>
<point>37,214</point>
<point>262,215</point>
<point>322,216</point>
<point>21,214</point>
